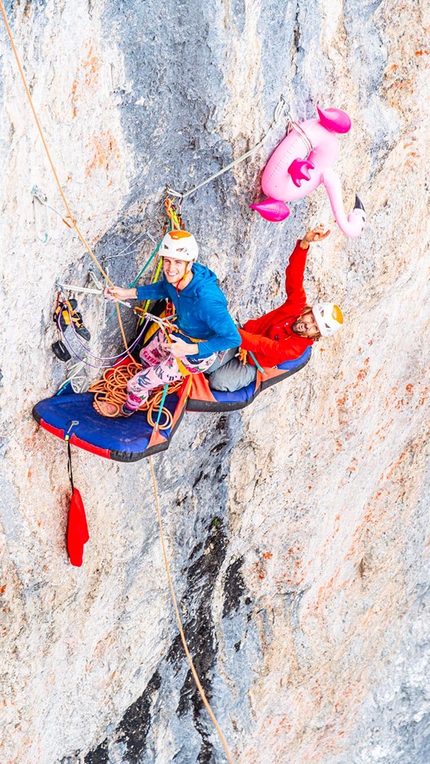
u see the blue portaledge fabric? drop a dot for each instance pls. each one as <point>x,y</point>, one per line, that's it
<point>127,439</point>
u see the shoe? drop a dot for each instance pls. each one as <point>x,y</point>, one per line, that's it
<point>79,326</point>
<point>59,349</point>
<point>65,313</point>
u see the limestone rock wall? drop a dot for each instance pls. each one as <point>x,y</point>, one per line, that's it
<point>297,529</point>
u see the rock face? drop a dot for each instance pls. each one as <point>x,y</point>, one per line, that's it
<point>297,529</point>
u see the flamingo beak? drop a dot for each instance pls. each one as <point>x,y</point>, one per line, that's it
<point>358,204</point>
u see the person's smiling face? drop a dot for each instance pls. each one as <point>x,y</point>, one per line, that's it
<point>306,325</point>
<point>174,270</point>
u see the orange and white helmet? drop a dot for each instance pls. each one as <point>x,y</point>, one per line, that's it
<point>180,245</point>
<point>328,317</point>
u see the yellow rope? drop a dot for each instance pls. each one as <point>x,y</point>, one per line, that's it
<point>69,219</point>
<point>174,217</point>
<point>179,622</point>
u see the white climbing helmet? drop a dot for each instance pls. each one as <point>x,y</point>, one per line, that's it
<point>179,245</point>
<point>328,317</point>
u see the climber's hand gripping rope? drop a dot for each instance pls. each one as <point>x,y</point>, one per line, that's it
<point>178,347</point>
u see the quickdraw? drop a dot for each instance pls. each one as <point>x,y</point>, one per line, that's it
<point>174,214</point>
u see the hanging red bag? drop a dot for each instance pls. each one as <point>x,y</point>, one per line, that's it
<point>77,527</point>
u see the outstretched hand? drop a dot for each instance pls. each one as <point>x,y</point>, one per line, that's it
<point>116,294</point>
<point>315,234</point>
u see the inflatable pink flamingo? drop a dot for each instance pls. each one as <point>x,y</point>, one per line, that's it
<point>302,161</point>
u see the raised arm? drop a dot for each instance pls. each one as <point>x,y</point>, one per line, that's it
<point>295,271</point>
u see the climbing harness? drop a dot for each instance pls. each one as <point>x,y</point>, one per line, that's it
<point>280,110</point>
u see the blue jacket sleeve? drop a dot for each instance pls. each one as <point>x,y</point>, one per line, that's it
<point>152,291</point>
<point>218,319</point>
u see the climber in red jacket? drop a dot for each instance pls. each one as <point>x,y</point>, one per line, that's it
<point>284,333</point>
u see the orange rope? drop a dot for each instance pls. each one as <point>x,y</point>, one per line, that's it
<point>173,215</point>
<point>69,219</point>
<point>179,622</point>
<point>112,388</point>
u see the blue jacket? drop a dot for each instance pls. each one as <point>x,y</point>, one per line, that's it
<point>201,310</point>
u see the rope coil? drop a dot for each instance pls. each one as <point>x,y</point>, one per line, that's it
<point>112,388</point>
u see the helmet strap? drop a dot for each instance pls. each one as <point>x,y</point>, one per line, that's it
<point>187,271</point>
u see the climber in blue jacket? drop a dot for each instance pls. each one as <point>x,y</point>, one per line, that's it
<point>205,326</point>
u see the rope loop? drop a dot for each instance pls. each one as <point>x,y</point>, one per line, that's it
<point>112,388</point>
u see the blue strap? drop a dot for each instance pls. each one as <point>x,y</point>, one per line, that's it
<point>160,410</point>
<point>256,362</point>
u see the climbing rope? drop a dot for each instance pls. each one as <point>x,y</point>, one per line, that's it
<point>280,110</point>
<point>71,222</point>
<point>69,219</point>
<point>179,621</point>
<point>173,214</point>
<point>112,388</point>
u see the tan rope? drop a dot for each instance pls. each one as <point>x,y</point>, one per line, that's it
<point>107,389</point>
<point>179,622</point>
<point>69,219</point>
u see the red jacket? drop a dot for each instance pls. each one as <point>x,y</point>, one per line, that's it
<point>271,337</point>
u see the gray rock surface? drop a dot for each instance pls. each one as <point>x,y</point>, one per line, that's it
<point>298,528</point>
